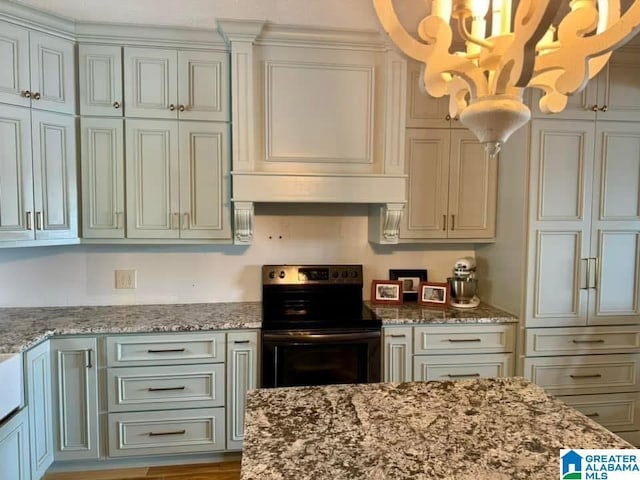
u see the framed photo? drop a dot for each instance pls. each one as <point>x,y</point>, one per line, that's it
<point>386,291</point>
<point>410,281</point>
<point>433,294</point>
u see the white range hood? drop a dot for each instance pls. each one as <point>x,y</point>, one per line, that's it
<point>317,117</point>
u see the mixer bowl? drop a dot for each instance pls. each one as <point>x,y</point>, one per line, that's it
<point>463,290</point>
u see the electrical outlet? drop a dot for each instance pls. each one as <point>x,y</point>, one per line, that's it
<point>126,279</point>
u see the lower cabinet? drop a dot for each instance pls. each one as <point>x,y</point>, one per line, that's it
<point>14,447</point>
<point>75,398</point>
<point>594,369</point>
<point>446,352</point>
<point>39,400</point>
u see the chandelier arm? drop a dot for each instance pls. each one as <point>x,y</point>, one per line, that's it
<point>466,35</point>
<point>532,20</point>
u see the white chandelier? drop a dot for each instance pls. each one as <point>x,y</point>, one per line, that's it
<point>485,82</point>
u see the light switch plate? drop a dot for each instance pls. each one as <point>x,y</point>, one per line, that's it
<point>126,279</point>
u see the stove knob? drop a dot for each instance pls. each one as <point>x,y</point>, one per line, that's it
<point>272,274</point>
<point>282,274</point>
<point>335,274</point>
<point>345,274</point>
<point>354,274</point>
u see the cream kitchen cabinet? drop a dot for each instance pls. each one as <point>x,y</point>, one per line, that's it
<point>613,94</point>
<point>14,448</point>
<point>242,376</point>
<point>38,171</point>
<point>583,264</point>
<point>75,398</point>
<point>100,68</point>
<point>102,166</point>
<point>38,69</point>
<point>452,188</point>
<point>39,401</point>
<point>397,351</point>
<point>166,393</point>
<point>177,180</point>
<point>172,84</point>
<point>447,352</point>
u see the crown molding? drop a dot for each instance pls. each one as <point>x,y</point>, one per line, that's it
<point>38,20</point>
<point>321,37</point>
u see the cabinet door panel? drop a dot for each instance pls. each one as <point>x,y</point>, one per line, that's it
<point>472,188</point>
<point>52,73</point>
<point>204,180</point>
<point>14,449</point>
<point>14,55</point>
<point>152,179</point>
<point>397,354</point>
<point>203,85</point>
<point>16,184</point>
<point>76,398</point>
<point>151,77</point>
<point>242,375</point>
<point>100,80</point>
<point>39,398</point>
<point>618,86</point>
<point>54,173</point>
<point>424,111</point>
<point>102,178</point>
<point>427,164</point>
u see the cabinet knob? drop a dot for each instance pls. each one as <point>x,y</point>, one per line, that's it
<point>116,105</point>
<point>36,96</point>
<point>594,108</point>
<point>26,93</point>
<point>181,108</point>
<point>447,117</point>
<point>172,107</point>
<point>456,118</point>
<point>604,108</point>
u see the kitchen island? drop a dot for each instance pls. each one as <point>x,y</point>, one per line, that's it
<point>503,428</point>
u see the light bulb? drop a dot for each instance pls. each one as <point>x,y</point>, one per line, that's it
<point>479,7</point>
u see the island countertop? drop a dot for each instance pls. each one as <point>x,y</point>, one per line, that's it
<point>485,429</point>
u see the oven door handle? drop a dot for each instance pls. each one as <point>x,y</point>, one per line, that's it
<point>318,337</point>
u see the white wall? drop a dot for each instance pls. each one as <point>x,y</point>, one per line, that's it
<point>84,274</point>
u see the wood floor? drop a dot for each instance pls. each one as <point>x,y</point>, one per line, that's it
<point>203,471</point>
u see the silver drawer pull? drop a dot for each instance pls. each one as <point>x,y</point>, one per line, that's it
<point>168,350</point>
<point>600,340</point>
<point>242,341</point>
<point>397,335</point>
<point>165,389</point>
<point>594,414</point>
<point>596,375</point>
<point>461,375</point>
<point>159,434</point>
<point>463,340</point>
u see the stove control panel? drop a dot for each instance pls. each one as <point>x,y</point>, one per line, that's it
<point>311,274</point>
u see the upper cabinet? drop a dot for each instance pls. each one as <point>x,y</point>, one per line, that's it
<point>613,94</point>
<point>101,80</point>
<point>171,84</point>
<point>38,69</point>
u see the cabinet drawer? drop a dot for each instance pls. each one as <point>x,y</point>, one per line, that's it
<point>581,340</point>
<point>584,374</point>
<point>166,432</point>
<point>461,367</point>
<point>168,349</point>
<point>157,388</point>
<point>617,411</point>
<point>463,339</point>
<point>632,437</point>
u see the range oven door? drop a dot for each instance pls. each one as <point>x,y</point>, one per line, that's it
<point>320,358</point>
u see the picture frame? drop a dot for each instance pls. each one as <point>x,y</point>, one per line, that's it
<point>410,279</point>
<point>386,292</point>
<point>434,294</point>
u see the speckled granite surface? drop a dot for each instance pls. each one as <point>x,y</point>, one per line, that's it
<point>412,313</point>
<point>21,328</point>
<point>490,429</point>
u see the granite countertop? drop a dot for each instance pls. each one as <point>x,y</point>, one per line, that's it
<point>21,328</point>
<point>412,313</point>
<point>488,429</point>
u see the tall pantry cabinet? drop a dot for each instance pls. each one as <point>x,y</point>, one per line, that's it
<point>38,189</point>
<point>578,287</point>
